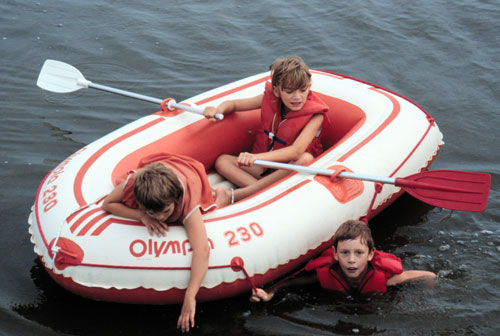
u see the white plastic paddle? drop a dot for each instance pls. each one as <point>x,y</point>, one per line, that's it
<point>60,77</point>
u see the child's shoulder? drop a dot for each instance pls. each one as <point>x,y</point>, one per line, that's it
<point>326,258</point>
<point>387,262</point>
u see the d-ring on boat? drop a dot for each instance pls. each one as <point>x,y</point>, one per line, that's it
<point>257,240</point>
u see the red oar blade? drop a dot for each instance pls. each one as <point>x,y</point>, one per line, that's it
<point>450,189</point>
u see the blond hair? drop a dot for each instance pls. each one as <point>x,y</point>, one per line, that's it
<point>353,229</point>
<point>290,73</point>
<point>156,186</point>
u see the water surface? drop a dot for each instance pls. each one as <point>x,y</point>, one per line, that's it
<point>442,55</point>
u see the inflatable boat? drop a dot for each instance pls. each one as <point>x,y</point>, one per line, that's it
<point>254,241</point>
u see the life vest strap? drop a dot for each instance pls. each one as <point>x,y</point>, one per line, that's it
<point>273,138</point>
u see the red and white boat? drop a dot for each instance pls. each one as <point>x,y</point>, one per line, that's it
<point>254,241</point>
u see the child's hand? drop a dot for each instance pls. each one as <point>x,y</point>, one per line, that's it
<point>186,318</point>
<point>261,294</point>
<point>209,112</point>
<point>154,226</point>
<point>246,159</point>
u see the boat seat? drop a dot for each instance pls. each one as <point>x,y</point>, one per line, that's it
<point>344,118</point>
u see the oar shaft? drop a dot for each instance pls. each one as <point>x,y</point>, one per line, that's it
<point>147,98</point>
<point>366,177</point>
<point>124,93</point>
<point>321,171</point>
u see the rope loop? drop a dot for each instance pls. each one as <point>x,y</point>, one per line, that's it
<point>237,264</point>
<point>378,189</point>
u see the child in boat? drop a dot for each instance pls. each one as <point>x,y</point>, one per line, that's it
<point>291,121</point>
<point>352,266</point>
<point>169,189</point>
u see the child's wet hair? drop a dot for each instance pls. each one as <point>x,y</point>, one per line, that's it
<point>290,73</point>
<point>156,186</point>
<point>353,229</point>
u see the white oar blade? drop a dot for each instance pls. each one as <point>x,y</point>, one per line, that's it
<point>60,77</point>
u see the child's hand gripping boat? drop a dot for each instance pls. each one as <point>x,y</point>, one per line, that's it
<point>259,239</point>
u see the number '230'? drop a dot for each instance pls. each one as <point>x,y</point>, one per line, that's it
<point>243,234</point>
<point>49,198</point>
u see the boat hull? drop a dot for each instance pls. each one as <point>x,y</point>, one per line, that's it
<point>254,241</point>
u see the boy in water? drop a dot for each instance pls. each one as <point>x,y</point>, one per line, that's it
<point>352,266</point>
<point>290,131</point>
<point>168,189</point>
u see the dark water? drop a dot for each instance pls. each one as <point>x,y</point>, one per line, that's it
<point>444,55</point>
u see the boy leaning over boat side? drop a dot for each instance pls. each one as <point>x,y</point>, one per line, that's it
<point>169,189</point>
<point>352,266</point>
<point>292,117</point>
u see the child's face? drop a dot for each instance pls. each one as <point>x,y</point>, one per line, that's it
<point>163,215</point>
<point>353,257</point>
<point>293,100</point>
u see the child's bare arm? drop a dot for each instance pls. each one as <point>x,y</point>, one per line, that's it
<point>198,240</point>
<point>266,296</point>
<point>113,204</point>
<point>410,275</point>
<point>230,106</point>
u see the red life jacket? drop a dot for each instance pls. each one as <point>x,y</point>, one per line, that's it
<point>194,181</point>
<point>275,132</point>
<point>382,266</point>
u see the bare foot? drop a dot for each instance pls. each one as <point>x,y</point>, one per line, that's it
<point>222,197</point>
